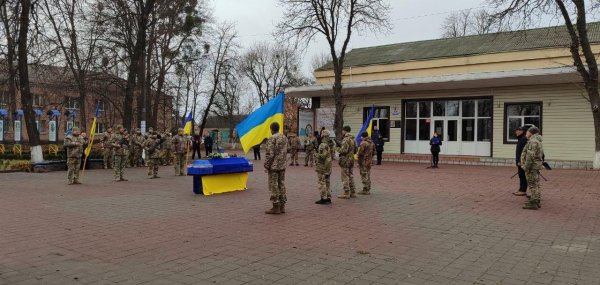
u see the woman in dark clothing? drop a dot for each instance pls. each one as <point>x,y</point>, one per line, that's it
<point>196,141</point>
<point>208,144</point>
<point>378,142</point>
<point>435,144</point>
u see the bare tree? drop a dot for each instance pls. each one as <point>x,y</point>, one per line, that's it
<point>9,15</point>
<point>76,33</point>
<point>24,86</point>
<point>335,20</point>
<point>522,13</point>
<point>227,102</point>
<point>225,48</point>
<point>468,22</point>
<point>269,68</point>
<point>319,60</point>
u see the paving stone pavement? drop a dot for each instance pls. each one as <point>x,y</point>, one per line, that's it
<point>453,225</point>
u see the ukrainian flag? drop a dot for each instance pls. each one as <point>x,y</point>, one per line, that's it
<point>187,125</point>
<point>256,127</point>
<point>367,126</point>
<point>88,149</point>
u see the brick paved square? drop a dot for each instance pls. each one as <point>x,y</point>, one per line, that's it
<point>454,225</point>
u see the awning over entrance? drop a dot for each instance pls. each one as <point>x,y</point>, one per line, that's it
<point>446,82</point>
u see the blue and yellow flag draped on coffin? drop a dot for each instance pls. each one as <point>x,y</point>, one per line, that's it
<point>187,124</point>
<point>256,127</point>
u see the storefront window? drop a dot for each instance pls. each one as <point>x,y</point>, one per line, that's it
<point>411,130</point>
<point>484,108</point>
<point>518,114</point>
<point>439,108</point>
<point>468,130</point>
<point>411,110</point>
<point>484,130</point>
<point>424,129</point>
<point>425,109</point>
<point>468,108</point>
<point>381,119</point>
<point>453,108</point>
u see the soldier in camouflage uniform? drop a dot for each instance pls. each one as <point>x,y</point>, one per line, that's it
<point>127,149</point>
<point>152,147</point>
<point>74,144</point>
<point>346,161</point>
<point>137,143</point>
<point>167,149</point>
<point>531,161</point>
<point>323,168</point>
<point>366,150</point>
<point>119,145</point>
<point>106,150</point>
<point>275,160</point>
<point>179,148</point>
<point>294,146</point>
<point>310,144</point>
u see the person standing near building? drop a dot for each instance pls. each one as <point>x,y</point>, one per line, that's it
<point>346,151</point>
<point>522,141</point>
<point>294,145</point>
<point>256,150</point>
<point>119,144</point>
<point>208,143</point>
<point>275,161</point>
<point>179,149</point>
<point>196,141</point>
<point>106,149</point>
<point>366,150</point>
<point>310,144</point>
<point>435,142</point>
<point>74,144</point>
<point>378,142</point>
<point>152,147</point>
<point>532,159</point>
<point>323,169</point>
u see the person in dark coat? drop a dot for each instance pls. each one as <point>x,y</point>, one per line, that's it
<point>522,141</point>
<point>196,141</point>
<point>435,144</point>
<point>256,150</point>
<point>208,144</point>
<point>378,142</point>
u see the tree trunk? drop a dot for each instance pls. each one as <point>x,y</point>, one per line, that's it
<point>338,122</point>
<point>26,98</point>
<point>82,102</point>
<point>159,86</point>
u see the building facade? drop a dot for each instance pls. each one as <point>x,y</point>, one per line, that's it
<point>473,91</point>
<point>57,106</point>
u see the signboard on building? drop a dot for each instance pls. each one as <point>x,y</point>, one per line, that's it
<point>52,131</point>
<point>1,130</point>
<point>17,130</point>
<point>306,122</point>
<point>325,118</point>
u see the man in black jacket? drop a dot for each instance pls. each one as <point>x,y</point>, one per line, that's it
<point>520,132</point>
<point>208,143</point>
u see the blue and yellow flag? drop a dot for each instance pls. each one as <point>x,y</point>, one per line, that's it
<point>367,126</point>
<point>187,124</point>
<point>256,127</point>
<point>88,149</point>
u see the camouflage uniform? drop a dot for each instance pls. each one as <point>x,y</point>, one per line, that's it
<point>152,147</point>
<point>167,152</point>
<point>275,159</point>
<point>365,159</point>
<point>137,142</point>
<point>323,168</point>
<point>531,162</point>
<point>179,147</point>
<point>107,150</point>
<point>310,143</point>
<point>127,149</point>
<point>346,162</point>
<point>74,145</point>
<point>294,145</point>
<point>119,145</point>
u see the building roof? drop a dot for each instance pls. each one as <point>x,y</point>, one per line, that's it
<point>551,37</point>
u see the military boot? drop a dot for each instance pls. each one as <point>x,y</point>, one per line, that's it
<point>531,205</point>
<point>346,195</point>
<point>76,182</point>
<point>364,192</point>
<point>282,208</point>
<point>321,201</point>
<point>274,211</point>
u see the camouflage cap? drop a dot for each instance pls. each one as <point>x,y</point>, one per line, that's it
<point>75,129</point>
<point>534,130</point>
<point>118,127</point>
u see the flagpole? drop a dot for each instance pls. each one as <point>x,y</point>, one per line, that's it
<point>187,153</point>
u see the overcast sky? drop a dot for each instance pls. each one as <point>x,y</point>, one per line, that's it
<point>412,20</point>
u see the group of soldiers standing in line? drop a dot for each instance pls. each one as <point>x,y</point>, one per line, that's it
<point>121,150</point>
<point>322,153</point>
